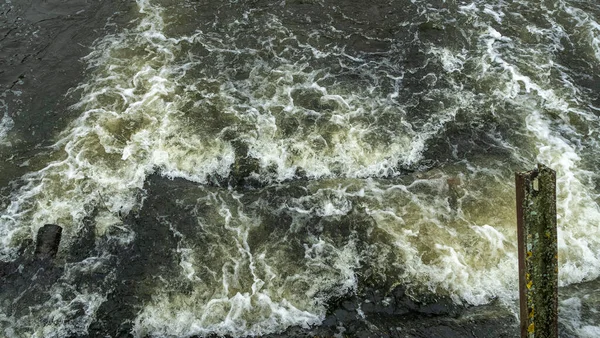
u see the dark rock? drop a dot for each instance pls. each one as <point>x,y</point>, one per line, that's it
<point>48,240</point>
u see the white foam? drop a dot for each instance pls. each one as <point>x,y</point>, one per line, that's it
<point>106,154</point>
<point>587,28</point>
<point>476,267</point>
<point>448,249</point>
<point>571,316</point>
<point>6,124</point>
<point>250,292</point>
<point>493,12</point>
<point>452,62</point>
<point>579,214</point>
<point>69,310</point>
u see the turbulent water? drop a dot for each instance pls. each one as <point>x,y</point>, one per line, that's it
<point>326,145</point>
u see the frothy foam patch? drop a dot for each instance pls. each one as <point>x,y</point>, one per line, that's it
<point>6,124</point>
<point>547,105</point>
<point>572,317</point>
<point>254,277</point>
<point>294,116</point>
<point>577,209</point>
<point>577,206</point>
<point>62,310</point>
<point>175,104</point>
<point>548,113</point>
<point>443,236</point>
<point>587,28</point>
<point>130,126</point>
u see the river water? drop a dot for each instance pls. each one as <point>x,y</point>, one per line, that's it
<point>236,167</point>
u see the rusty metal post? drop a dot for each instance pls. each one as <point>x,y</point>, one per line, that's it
<point>538,252</point>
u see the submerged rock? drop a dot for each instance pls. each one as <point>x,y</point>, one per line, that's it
<point>48,240</point>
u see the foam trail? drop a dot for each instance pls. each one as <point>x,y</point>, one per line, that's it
<point>571,310</point>
<point>588,28</point>
<point>579,253</point>
<point>249,292</point>
<point>128,128</point>
<point>579,214</point>
<point>6,124</point>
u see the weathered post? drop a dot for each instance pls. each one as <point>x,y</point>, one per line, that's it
<point>48,240</point>
<point>538,252</point>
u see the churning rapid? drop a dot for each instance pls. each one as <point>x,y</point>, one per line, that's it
<point>311,147</point>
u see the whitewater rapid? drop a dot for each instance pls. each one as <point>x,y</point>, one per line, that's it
<point>356,154</point>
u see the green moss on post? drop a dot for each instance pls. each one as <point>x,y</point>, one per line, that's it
<point>538,252</point>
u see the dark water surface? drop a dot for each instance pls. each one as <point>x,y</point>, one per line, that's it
<point>292,168</point>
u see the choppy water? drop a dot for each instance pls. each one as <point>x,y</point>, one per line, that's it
<point>329,145</point>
